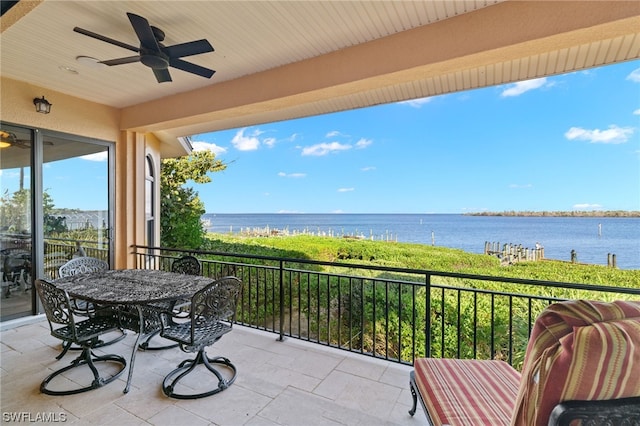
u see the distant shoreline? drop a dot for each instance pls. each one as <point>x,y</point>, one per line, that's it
<point>602,213</point>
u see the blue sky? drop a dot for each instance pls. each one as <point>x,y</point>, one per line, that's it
<point>569,142</point>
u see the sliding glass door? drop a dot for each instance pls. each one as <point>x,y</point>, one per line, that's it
<point>16,233</point>
<point>67,192</point>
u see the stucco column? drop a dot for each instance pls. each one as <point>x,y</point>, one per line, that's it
<point>129,199</point>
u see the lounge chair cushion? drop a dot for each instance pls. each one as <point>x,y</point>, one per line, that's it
<point>579,350</point>
<point>467,392</point>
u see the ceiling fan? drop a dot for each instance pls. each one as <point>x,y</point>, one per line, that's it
<point>8,139</point>
<point>153,53</point>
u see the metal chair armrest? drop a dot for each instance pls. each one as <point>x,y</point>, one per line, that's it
<point>613,412</point>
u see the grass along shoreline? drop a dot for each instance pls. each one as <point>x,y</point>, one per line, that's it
<point>465,324</point>
<point>418,256</point>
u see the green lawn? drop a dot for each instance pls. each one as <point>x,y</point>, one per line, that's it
<point>418,256</point>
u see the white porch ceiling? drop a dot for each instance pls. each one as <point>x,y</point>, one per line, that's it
<point>278,60</point>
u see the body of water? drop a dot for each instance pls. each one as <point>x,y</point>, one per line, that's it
<point>593,238</point>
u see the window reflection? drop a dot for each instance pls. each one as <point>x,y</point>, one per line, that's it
<point>15,221</point>
<point>74,202</point>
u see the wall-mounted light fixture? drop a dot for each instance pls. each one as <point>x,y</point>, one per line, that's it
<point>42,105</point>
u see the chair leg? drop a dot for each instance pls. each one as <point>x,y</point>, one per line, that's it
<point>66,346</point>
<point>145,345</point>
<point>412,411</point>
<point>187,366</point>
<point>88,358</point>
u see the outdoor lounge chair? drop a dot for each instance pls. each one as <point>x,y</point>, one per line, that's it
<point>581,367</point>
<point>212,313</point>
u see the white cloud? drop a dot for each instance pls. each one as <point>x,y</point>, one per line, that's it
<point>416,103</point>
<point>335,133</point>
<point>7,174</point>
<point>363,143</point>
<point>634,76</point>
<point>206,146</point>
<point>587,206</point>
<point>636,112</point>
<point>520,186</point>
<point>292,175</point>
<point>246,143</point>
<point>289,211</point>
<point>333,147</point>
<point>368,168</point>
<point>98,156</point>
<point>613,134</point>
<point>270,142</point>
<point>324,148</point>
<point>346,189</point>
<point>521,87</point>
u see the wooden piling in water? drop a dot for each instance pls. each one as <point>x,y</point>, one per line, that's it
<point>511,253</point>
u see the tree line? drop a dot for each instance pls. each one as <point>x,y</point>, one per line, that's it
<point>572,213</point>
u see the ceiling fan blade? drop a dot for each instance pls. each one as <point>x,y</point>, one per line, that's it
<point>105,39</point>
<point>162,75</point>
<point>144,32</point>
<point>188,49</point>
<point>192,68</point>
<point>121,61</point>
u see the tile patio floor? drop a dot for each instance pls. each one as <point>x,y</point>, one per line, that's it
<point>278,383</point>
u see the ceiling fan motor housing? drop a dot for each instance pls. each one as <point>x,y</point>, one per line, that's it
<point>156,60</point>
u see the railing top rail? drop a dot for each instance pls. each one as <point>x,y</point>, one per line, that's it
<point>425,272</point>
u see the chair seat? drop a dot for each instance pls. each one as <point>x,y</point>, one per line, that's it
<point>204,334</point>
<point>88,329</point>
<point>467,392</point>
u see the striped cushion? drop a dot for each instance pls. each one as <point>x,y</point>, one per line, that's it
<point>467,392</point>
<point>579,350</point>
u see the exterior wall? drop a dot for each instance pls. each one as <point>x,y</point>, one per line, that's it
<point>79,117</point>
<point>68,114</point>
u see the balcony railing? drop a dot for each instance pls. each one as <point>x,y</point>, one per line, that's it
<point>57,251</point>
<point>396,314</point>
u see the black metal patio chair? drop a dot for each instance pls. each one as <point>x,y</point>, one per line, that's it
<point>212,314</point>
<point>85,334</point>
<point>188,265</point>
<point>84,265</point>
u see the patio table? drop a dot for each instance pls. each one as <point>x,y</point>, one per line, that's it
<point>132,288</point>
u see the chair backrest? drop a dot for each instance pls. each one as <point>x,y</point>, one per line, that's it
<point>56,304</point>
<point>82,265</point>
<point>215,303</point>
<point>579,350</point>
<point>186,265</point>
